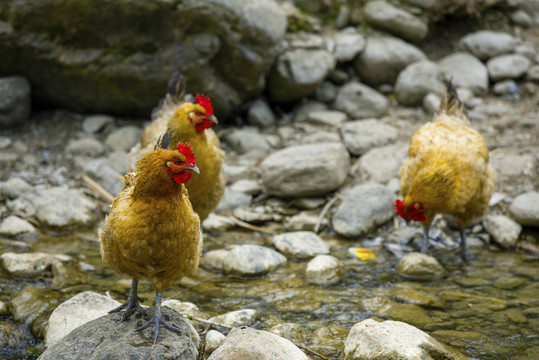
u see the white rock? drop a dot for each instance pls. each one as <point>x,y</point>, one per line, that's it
<point>217,223</point>
<point>381,164</point>
<point>360,101</point>
<point>510,66</point>
<point>503,230</point>
<point>324,270</point>
<point>244,317</point>
<point>362,135</point>
<point>124,138</point>
<point>348,43</point>
<point>417,80</point>
<point>420,266</point>
<point>214,339</point>
<point>78,310</point>
<point>465,70</point>
<point>485,44</point>
<point>13,226</point>
<point>327,117</point>
<point>32,264</point>
<point>300,244</point>
<point>252,260</point>
<point>525,208</point>
<point>400,22</point>
<point>14,187</point>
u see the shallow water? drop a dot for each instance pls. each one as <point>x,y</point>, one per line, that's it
<point>488,309</point>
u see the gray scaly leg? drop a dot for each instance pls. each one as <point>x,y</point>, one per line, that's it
<point>132,303</point>
<point>157,321</point>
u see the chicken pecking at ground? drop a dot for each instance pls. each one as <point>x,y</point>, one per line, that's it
<point>191,123</point>
<point>447,171</point>
<point>152,231</point>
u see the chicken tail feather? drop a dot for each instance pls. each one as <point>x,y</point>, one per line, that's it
<point>451,104</point>
<point>176,86</point>
<point>162,142</point>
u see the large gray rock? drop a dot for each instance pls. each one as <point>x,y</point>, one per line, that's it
<point>247,344</point>
<point>466,71</point>
<point>397,21</point>
<point>364,207</point>
<point>348,43</point>
<point>509,66</point>
<point>300,244</point>
<point>416,81</point>
<point>121,63</point>
<point>525,208</point>
<point>360,101</point>
<point>59,207</point>
<point>362,135</point>
<point>14,187</point>
<point>298,72</point>
<point>15,101</point>
<point>381,164</point>
<point>301,170</point>
<point>394,340</point>
<point>110,338</point>
<point>504,231</point>
<point>485,44</point>
<point>383,59</point>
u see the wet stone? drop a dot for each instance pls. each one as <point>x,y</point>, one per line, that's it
<point>252,260</point>
<point>244,317</point>
<point>214,339</point>
<point>14,337</point>
<point>408,313</point>
<point>515,316</point>
<point>217,223</point>
<point>13,188</point>
<point>14,226</point>
<point>419,298</point>
<point>324,270</point>
<point>525,208</point>
<point>420,267</point>
<point>32,306</point>
<point>361,135</point>
<point>509,283</point>
<point>290,331</point>
<point>300,244</point>
<point>504,231</point>
<point>329,340</point>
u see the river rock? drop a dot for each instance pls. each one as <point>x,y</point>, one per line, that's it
<point>217,223</point>
<point>505,87</point>
<point>300,244</point>
<point>364,208</point>
<point>324,270</point>
<point>408,313</point>
<point>392,340</point>
<point>15,101</point>
<point>381,164</point>
<point>331,118</point>
<point>466,71</point>
<point>304,221</point>
<point>325,92</point>
<point>78,310</point>
<point>245,260</point>
<point>417,80</point>
<point>233,199</point>
<point>247,186</point>
<point>32,306</point>
<point>94,123</point>
<point>108,337</point>
<point>14,226</point>
<point>214,339</point>
<point>290,331</point>
<point>300,170</point>
<point>361,135</point>
<point>533,73</point>
<point>525,208</point>
<point>383,59</point>
<point>360,101</point>
<point>485,44</point>
<point>420,266</point>
<point>348,43</point>
<point>14,338</point>
<point>247,343</point>
<point>247,139</point>
<point>407,295</point>
<point>103,172</point>
<point>237,318</point>
<point>397,21</point>
<point>13,188</point>
<point>86,146</point>
<point>509,66</point>
<point>32,265</point>
<point>508,163</point>
<point>124,138</point>
<point>124,69</point>
<point>297,73</point>
<point>260,114</point>
<point>504,231</point>
<point>59,207</point>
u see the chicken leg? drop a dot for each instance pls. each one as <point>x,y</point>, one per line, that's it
<point>425,243</point>
<point>132,303</point>
<point>463,247</point>
<point>157,320</point>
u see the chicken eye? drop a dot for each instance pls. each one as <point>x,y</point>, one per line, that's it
<point>178,162</point>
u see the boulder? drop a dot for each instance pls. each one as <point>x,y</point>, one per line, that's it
<point>15,100</point>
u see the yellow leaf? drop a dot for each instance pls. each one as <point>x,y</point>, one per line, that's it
<point>364,254</point>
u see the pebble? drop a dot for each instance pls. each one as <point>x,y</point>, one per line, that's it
<point>525,208</point>
<point>521,18</point>
<point>466,71</point>
<point>383,59</point>
<point>233,199</point>
<point>505,87</point>
<point>124,138</point>
<point>290,331</point>
<point>504,231</point>
<point>533,73</point>
<point>300,170</point>
<point>85,146</point>
<point>244,260</point>
<point>237,318</point>
<point>327,117</point>
<point>324,270</point>
<point>360,136</point>
<point>217,223</point>
<point>509,66</point>
<point>214,339</point>
<point>485,44</point>
<point>94,123</point>
<point>260,114</point>
<point>364,208</point>
<point>420,267</point>
<point>431,102</point>
<point>300,244</point>
<point>359,101</point>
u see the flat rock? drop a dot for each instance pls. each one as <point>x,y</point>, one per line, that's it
<point>504,231</point>
<point>485,44</point>
<point>300,244</point>
<point>32,307</point>
<point>31,265</point>
<point>248,260</point>
<point>381,164</point>
<point>59,207</point>
<point>260,114</point>
<point>247,139</point>
<point>300,170</point>
<point>109,338</point>
<point>348,43</point>
<point>86,146</point>
<point>360,101</point>
<point>327,117</point>
<point>364,207</point>
<point>525,208</point>
<point>466,71</point>
<point>394,340</point>
<point>14,187</point>
<point>243,317</point>
<point>420,266</point>
<point>124,138</point>
<point>324,270</point>
<point>397,21</point>
<point>78,310</point>
<point>510,66</point>
<point>383,59</point>
<point>247,344</point>
<point>417,80</point>
<point>361,135</point>
<point>14,226</point>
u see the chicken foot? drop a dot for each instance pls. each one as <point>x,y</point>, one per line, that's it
<point>132,303</point>
<point>157,320</point>
<point>463,247</point>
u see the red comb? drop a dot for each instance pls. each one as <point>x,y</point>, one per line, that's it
<point>186,151</point>
<point>205,102</point>
<point>399,209</point>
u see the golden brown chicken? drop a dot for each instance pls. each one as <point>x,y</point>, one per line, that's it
<point>191,123</point>
<point>447,171</point>
<point>152,231</point>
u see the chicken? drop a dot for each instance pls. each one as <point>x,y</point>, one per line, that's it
<point>191,123</point>
<point>152,231</point>
<point>447,171</point>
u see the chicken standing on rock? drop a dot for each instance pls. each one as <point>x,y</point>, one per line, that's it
<point>447,171</point>
<point>152,231</point>
<point>191,123</point>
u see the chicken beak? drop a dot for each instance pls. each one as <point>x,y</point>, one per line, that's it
<point>213,119</point>
<point>193,168</point>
